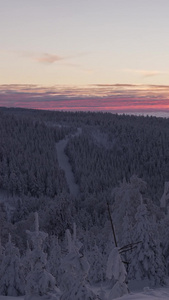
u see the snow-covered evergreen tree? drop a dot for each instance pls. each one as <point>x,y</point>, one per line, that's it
<point>146,260</point>
<point>164,232</point>
<point>116,272</point>
<point>39,281</point>
<point>27,265</point>
<point>1,252</point>
<point>54,259</point>
<point>129,196</point>
<point>165,197</point>
<point>76,269</point>
<point>127,230</point>
<point>97,268</point>
<point>11,272</point>
<point>127,239</point>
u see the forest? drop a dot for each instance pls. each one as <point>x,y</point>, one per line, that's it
<point>105,240</point>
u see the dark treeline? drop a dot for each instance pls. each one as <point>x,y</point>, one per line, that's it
<point>116,147</point>
<point>28,160</point>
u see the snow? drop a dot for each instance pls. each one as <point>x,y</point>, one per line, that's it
<point>11,298</point>
<point>165,196</point>
<point>73,266</point>
<point>115,267</point>
<point>65,165</point>
<point>147,294</point>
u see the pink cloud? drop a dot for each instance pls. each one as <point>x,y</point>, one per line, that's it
<point>117,98</point>
<point>48,58</point>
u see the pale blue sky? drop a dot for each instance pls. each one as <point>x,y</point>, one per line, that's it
<point>76,42</point>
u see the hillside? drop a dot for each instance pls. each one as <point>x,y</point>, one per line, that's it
<point>92,170</point>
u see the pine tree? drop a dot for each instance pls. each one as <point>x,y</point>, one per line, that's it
<point>1,252</point>
<point>27,265</point>
<point>54,259</point>
<point>164,232</point>
<point>11,272</point>
<point>165,197</point>
<point>129,196</point>
<point>97,270</point>
<point>147,260</point>
<point>116,272</point>
<point>127,239</point>
<point>39,281</point>
<point>76,269</point>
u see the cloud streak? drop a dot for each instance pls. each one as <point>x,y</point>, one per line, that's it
<point>114,98</point>
<point>145,73</point>
<point>45,58</point>
<point>49,58</point>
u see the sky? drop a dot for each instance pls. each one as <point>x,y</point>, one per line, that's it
<point>85,55</point>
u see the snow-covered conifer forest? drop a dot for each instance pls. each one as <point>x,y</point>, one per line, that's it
<point>84,201</point>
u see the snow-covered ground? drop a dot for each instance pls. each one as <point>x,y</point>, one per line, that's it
<point>65,165</point>
<point>147,294</point>
<point>11,298</point>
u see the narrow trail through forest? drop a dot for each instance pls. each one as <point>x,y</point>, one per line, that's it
<point>65,165</point>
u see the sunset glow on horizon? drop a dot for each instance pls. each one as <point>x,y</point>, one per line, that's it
<point>112,98</point>
<point>70,55</point>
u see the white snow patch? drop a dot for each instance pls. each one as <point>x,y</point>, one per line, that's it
<point>148,294</point>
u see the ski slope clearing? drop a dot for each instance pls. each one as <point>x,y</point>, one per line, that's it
<point>65,165</point>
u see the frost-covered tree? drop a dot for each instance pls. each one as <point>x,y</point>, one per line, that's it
<point>165,197</point>
<point>54,259</point>
<point>129,196</point>
<point>1,252</point>
<point>25,259</point>
<point>11,272</point>
<point>76,269</point>
<point>97,268</point>
<point>116,272</point>
<point>164,233</point>
<point>39,281</point>
<point>127,239</point>
<point>146,259</point>
<point>127,230</point>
